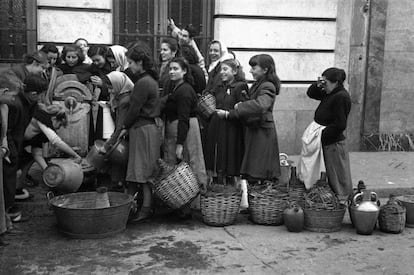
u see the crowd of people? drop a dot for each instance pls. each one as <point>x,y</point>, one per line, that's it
<point>154,105</point>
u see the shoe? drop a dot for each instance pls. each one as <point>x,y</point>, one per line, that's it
<point>143,214</point>
<point>22,195</point>
<point>13,212</point>
<point>117,188</point>
<point>20,218</point>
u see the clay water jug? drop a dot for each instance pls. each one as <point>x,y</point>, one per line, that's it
<point>365,212</point>
<point>360,188</point>
<point>294,218</point>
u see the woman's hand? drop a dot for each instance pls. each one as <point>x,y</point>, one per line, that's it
<point>96,80</point>
<point>222,113</point>
<point>77,159</point>
<point>179,151</point>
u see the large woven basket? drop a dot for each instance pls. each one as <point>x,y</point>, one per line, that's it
<point>207,105</point>
<point>220,209</point>
<point>320,220</point>
<point>392,217</point>
<point>267,207</point>
<point>177,187</point>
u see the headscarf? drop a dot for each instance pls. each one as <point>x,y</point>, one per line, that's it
<point>120,84</point>
<point>224,55</point>
<point>120,57</point>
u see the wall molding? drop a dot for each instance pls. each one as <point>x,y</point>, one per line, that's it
<point>289,50</point>
<point>267,17</point>
<point>74,9</point>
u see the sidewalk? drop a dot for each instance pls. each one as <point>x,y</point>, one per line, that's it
<point>383,172</point>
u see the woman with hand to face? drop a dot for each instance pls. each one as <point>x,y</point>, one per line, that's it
<point>261,156</point>
<point>332,114</point>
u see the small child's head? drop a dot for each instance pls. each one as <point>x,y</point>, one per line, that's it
<point>57,113</point>
<point>72,55</point>
<point>34,87</point>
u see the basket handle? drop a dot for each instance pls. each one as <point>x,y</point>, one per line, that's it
<point>49,195</point>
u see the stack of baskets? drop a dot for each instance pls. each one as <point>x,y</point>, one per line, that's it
<point>176,185</point>
<point>220,208</point>
<point>267,206</point>
<point>323,212</point>
<point>392,216</point>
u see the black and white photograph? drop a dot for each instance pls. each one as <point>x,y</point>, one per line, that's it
<point>207,137</point>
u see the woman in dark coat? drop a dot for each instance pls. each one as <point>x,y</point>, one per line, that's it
<point>225,142</point>
<point>261,157</point>
<point>332,112</point>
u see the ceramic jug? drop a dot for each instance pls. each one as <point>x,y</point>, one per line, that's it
<point>365,212</point>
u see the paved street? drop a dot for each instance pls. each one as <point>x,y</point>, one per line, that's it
<point>168,245</point>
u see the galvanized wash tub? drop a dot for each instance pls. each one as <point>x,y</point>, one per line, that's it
<point>79,216</point>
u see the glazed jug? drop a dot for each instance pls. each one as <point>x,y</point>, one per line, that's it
<point>365,212</point>
<point>360,188</point>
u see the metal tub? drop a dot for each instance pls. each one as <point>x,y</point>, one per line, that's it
<point>78,217</point>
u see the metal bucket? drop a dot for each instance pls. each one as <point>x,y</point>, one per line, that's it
<point>63,175</point>
<point>77,214</point>
<point>118,153</point>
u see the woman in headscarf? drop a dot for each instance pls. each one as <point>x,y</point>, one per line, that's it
<point>117,58</point>
<point>120,87</point>
<point>217,53</point>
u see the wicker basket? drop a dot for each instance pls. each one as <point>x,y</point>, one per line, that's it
<point>206,105</point>
<point>220,209</point>
<point>267,207</point>
<point>392,216</point>
<point>176,187</point>
<point>319,220</point>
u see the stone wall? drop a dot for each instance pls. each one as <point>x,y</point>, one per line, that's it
<point>397,112</point>
<point>66,20</point>
<point>301,37</point>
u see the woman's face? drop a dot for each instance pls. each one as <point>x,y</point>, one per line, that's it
<point>98,60</point>
<point>136,67</point>
<point>176,72</point>
<point>32,97</point>
<point>329,85</point>
<point>83,45</point>
<point>52,57</point>
<point>258,72</point>
<point>227,73</point>
<point>112,62</point>
<point>166,53</point>
<point>71,58</point>
<point>37,68</point>
<point>214,52</point>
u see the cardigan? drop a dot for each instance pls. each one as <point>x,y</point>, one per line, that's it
<point>144,103</point>
<point>332,112</point>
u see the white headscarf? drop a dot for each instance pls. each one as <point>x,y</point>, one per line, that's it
<point>224,55</point>
<point>120,84</point>
<point>120,58</point>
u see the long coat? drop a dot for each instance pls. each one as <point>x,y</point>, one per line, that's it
<point>225,137</point>
<point>261,156</point>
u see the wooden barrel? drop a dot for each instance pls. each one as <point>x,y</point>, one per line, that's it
<point>63,175</point>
